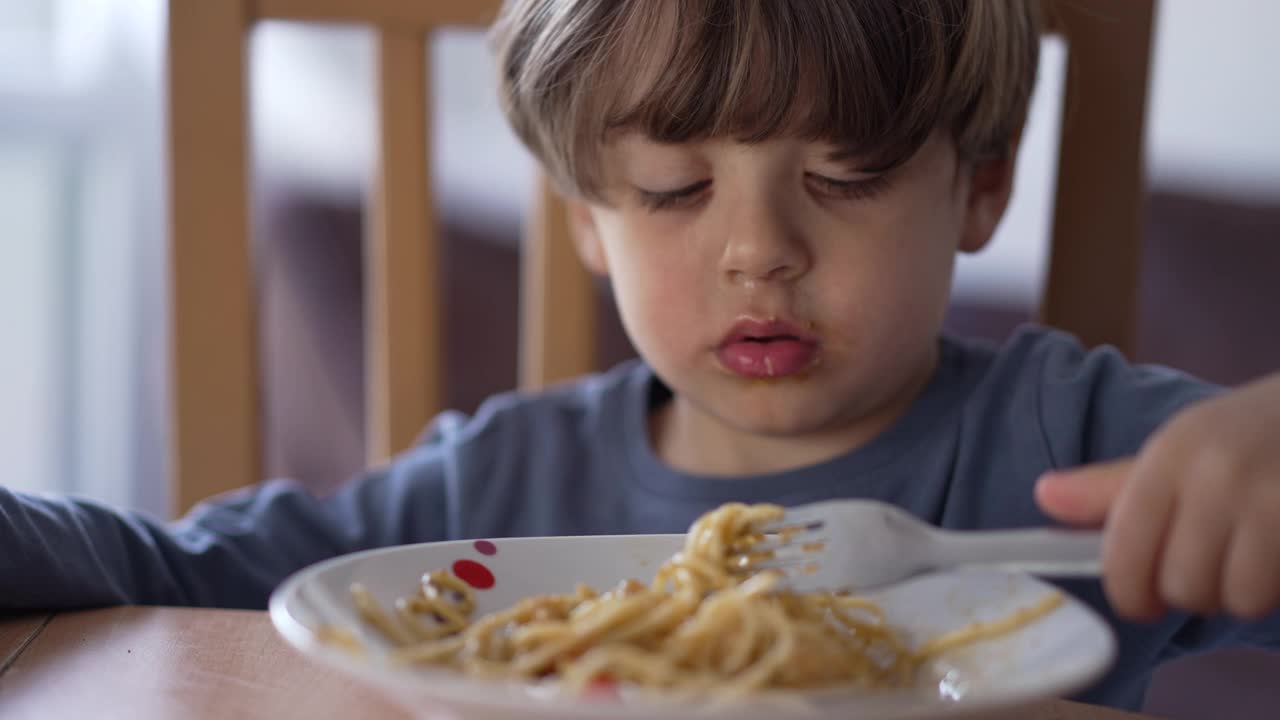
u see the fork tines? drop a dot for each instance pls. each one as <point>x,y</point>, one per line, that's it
<point>787,543</point>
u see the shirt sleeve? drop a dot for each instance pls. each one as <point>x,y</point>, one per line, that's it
<point>231,551</point>
<point>1096,406</point>
<point>1196,634</point>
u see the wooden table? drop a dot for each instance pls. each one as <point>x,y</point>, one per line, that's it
<point>142,663</point>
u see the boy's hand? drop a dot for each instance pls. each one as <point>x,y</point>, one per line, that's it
<point>1193,521</point>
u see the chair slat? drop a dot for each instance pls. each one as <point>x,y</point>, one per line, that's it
<point>1097,226</point>
<point>557,299</point>
<point>402,289</point>
<point>405,14</point>
<point>215,441</point>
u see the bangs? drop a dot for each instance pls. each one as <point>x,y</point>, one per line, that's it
<point>857,75</point>
<point>872,77</point>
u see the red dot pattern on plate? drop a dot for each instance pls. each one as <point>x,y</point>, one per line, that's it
<point>473,574</point>
<point>603,687</point>
<point>484,547</point>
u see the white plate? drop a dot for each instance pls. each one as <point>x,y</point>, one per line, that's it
<point>1060,653</point>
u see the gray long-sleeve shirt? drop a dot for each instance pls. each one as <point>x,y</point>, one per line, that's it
<point>577,460</point>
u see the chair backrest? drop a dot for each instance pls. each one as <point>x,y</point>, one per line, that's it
<point>1092,280</point>
<point>216,435</point>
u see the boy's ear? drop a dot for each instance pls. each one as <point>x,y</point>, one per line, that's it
<point>990,186</point>
<point>586,237</point>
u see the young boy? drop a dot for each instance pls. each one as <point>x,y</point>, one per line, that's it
<point>777,190</point>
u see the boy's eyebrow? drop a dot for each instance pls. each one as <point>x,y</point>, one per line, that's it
<point>848,154</point>
<point>843,153</point>
<point>856,155</point>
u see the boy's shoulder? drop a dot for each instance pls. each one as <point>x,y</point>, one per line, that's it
<point>536,463</point>
<point>1087,403</point>
<point>1035,354</point>
<point>1029,349</point>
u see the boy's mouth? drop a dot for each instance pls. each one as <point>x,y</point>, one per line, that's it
<point>764,349</point>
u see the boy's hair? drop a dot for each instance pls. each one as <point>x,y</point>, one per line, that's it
<point>874,77</point>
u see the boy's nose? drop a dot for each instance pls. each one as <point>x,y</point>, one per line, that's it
<point>780,273</point>
<point>767,252</point>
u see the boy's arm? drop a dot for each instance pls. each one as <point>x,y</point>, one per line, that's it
<point>1098,408</point>
<point>229,552</point>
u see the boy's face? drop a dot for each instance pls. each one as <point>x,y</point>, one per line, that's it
<point>780,292</point>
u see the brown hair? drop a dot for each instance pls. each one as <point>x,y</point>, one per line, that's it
<point>875,77</point>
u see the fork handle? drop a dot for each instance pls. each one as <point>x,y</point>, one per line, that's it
<point>1040,551</point>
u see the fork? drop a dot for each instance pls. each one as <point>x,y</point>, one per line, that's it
<point>864,544</point>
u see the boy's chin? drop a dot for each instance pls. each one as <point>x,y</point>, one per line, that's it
<point>780,420</point>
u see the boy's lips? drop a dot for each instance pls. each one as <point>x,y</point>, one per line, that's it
<point>767,349</point>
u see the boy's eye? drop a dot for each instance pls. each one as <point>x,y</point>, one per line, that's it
<point>667,199</point>
<point>859,189</point>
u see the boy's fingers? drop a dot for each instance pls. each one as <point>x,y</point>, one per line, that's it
<point>1137,529</point>
<point>1251,586</point>
<point>1191,568</point>
<point>1082,496</point>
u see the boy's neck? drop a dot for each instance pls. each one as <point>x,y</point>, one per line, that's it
<point>688,440</point>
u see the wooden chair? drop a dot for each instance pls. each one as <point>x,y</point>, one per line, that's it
<point>216,427</point>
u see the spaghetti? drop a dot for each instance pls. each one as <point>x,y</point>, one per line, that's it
<point>706,624</point>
